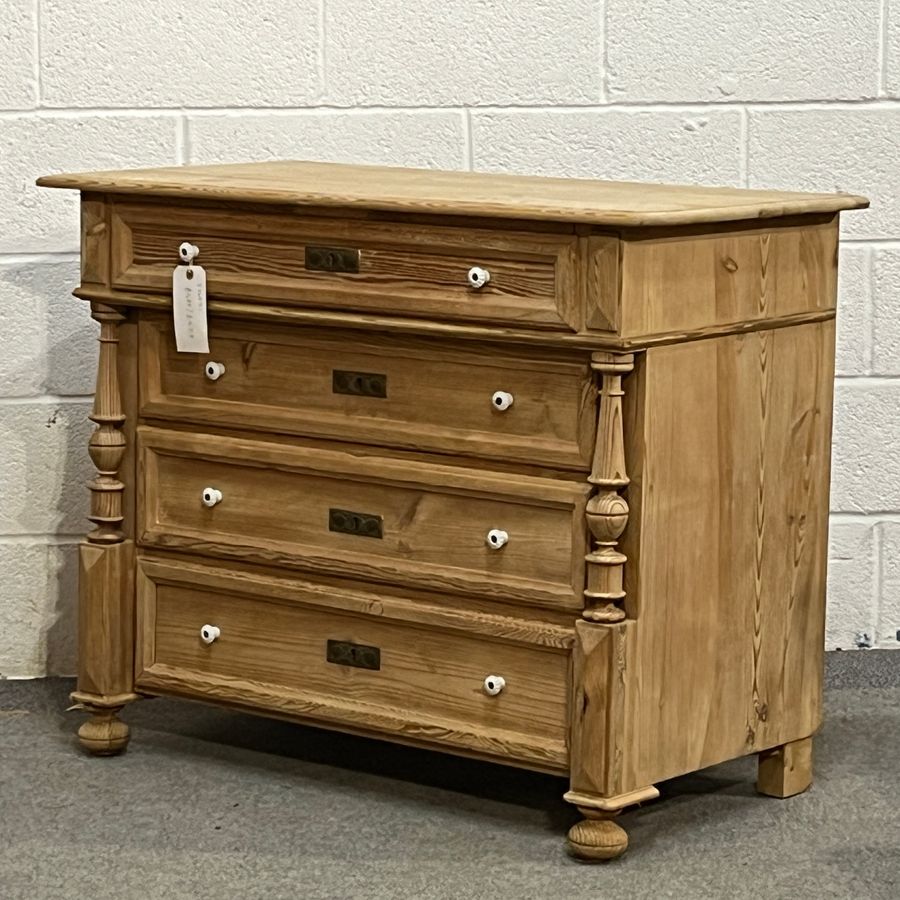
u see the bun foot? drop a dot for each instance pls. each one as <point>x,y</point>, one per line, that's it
<point>597,836</point>
<point>104,734</point>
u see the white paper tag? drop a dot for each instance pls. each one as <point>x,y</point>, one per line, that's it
<point>189,309</point>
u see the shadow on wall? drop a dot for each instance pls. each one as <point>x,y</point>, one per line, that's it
<point>48,372</point>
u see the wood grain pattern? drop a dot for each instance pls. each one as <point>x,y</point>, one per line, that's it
<point>420,270</point>
<point>500,335</point>
<point>602,664</point>
<point>107,443</point>
<point>432,611</point>
<point>430,681</point>
<point>607,510</point>
<point>600,264</point>
<point>299,183</point>
<point>526,751</point>
<point>94,241</point>
<point>106,557</point>
<point>438,392</point>
<point>729,454</point>
<point>597,837</point>
<point>611,804</point>
<point>127,363</point>
<point>786,770</point>
<point>436,518</point>
<point>105,616</point>
<point>677,280</point>
<point>709,604</point>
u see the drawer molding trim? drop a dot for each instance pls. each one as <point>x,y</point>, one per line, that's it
<point>550,511</point>
<point>352,265</point>
<point>427,395</point>
<point>534,752</point>
<point>292,590</point>
<point>607,511</point>
<point>268,667</point>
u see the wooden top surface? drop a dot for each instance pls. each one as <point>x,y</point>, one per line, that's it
<point>297,183</point>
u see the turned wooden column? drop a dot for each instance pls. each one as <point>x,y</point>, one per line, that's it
<point>607,511</point>
<point>107,443</point>
<point>105,614</point>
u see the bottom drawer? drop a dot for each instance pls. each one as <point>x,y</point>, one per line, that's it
<point>279,645</point>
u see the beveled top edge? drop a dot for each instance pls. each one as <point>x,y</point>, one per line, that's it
<point>435,192</point>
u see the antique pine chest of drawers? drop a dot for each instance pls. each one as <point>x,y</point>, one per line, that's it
<point>531,470</point>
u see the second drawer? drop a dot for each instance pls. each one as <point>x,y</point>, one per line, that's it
<point>373,388</point>
<point>496,536</point>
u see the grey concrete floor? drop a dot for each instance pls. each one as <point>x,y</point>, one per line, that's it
<point>210,803</point>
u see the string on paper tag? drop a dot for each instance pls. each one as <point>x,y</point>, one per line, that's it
<point>189,303</point>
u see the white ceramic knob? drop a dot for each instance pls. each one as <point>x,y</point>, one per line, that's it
<point>493,684</point>
<point>211,496</point>
<point>188,251</point>
<point>496,538</point>
<point>214,370</point>
<point>209,633</point>
<point>478,277</point>
<point>502,400</point>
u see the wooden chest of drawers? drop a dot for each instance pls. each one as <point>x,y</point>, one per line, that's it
<point>527,469</point>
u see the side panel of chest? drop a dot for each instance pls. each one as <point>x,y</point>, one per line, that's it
<point>729,455</point>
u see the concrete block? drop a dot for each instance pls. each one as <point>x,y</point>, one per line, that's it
<point>854,311</point>
<point>44,468</point>
<point>886,312</point>
<point>39,219</point>
<point>865,473</point>
<point>38,618</point>
<point>49,336</point>
<point>416,52</point>
<point>888,634</point>
<point>853,150</point>
<point>892,47</point>
<point>684,50</point>
<point>396,138</point>
<point>18,84</point>
<point>170,54</point>
<point>852,601</point>
<point>611,143</point>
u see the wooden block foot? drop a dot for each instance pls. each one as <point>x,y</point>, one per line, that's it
<point>597,836</point>
<point>104,734</point>
<point>786,770</point>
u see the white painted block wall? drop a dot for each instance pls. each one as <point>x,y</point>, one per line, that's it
<point>764,93</point>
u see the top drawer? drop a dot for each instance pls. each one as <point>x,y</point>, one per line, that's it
<point>401,268</point>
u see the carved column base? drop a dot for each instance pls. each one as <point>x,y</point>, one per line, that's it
<point>104,733</point>
<point>597,836</point>
<point>607,612</point>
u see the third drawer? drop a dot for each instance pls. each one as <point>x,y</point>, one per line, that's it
<point>496,536</point>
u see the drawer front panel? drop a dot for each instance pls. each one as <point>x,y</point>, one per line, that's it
<point>360,669</point>
<point>415,270</point>
<point>421,524</point>
<point>423,395</point>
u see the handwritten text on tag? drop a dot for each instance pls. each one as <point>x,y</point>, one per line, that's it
<point>189,309</point>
